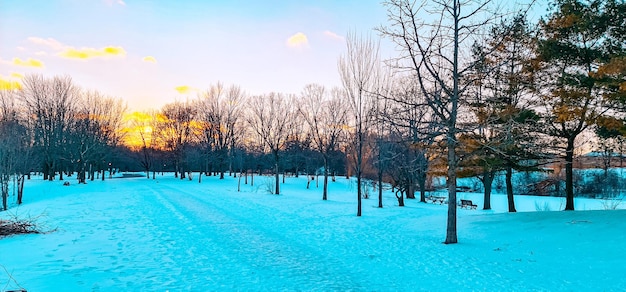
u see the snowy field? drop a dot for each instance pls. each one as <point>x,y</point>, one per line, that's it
<point>135,234</point>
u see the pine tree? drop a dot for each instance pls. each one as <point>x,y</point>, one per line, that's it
<point>501,103</point>
<point>579,41</point>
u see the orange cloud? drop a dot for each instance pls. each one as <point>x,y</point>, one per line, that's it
<point>7,84</point>
<point>89,53</point>
<point>73,53</point>
<point>183,89</point>
<point>149,59</point>
<point>28,62</point>
<point>298,40</point>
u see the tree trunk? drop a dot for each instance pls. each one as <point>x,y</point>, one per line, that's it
<point>488,177</point>
<point>51,171</point>
<point>4,185</point>
<point>451,232</point>
<point>82,178</point>
<point>400,197</point>
<point>359,162</point>
<point>20,189</point>
<point>421,181</point>
<point>325,187</point>
<point>239,183</point>
<point>277,175</point>
<point>569,175</point>
<point>358,191</point>
<point>410,191</point>
<point>380,189</point>
<point>509,189</point>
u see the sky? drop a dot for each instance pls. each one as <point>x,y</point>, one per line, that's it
<point>150,53</point>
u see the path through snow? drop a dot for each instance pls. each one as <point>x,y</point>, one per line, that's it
<point>172,235</point>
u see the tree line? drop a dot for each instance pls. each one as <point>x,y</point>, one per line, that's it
<point>503,94</point>
<point>472,93</point>
<point>52,126</point>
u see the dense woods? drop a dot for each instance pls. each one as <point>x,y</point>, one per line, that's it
<point>465,97</point>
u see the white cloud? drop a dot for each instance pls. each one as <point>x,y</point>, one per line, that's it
<point>49,42</point>
<point>113,2</point>
<point>333,35</point>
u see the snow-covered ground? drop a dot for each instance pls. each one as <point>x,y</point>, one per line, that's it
<point>135,234</point>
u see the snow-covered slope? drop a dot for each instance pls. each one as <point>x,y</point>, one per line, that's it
<point>136,234</point>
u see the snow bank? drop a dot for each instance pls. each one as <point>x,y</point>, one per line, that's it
<point>172,235</point>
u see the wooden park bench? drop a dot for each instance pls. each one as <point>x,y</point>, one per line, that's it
<point>437,200</point>
<point>468,204</point>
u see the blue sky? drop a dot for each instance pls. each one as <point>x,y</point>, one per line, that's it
<point>153,52</point>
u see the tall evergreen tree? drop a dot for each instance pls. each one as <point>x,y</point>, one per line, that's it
<point>578,42</point>
<point>501,101</point>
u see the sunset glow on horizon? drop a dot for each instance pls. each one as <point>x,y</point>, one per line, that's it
<point>153,53</point>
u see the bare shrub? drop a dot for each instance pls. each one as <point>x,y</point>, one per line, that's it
<point>611,203</point>
<point>365,185</point>
<point>16,225</point>
<point>11,279</point>
<point>269,185</point>
<point>545,207</point>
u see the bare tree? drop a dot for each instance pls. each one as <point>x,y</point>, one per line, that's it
<point>359,68</point>
<point>326,115</point>
<point>431,54</point>
<point>270,118</point>
<point>219,112</point>
<point>94,132</point>
<point>413,129</point>
<point>15,150</point>
<point>141,139</point>
<point>50,104</point>
<point>177,130</point>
